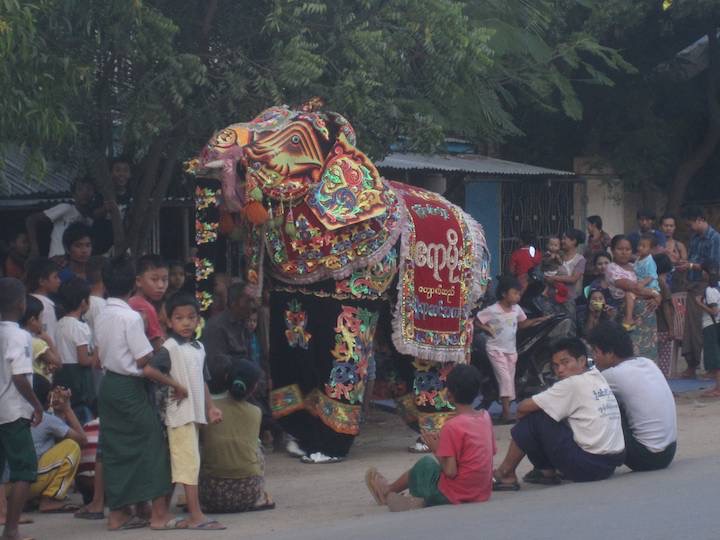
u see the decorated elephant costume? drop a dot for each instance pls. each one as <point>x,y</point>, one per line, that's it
<point>337,242</point>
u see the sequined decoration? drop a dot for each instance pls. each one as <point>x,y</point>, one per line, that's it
<point>295,322</point>
<point>207,218</point>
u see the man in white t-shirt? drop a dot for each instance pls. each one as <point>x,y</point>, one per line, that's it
<point>647,406</point>
<point>571,430</point>
<point>61,216</point>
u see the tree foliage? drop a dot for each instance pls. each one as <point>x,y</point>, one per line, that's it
<point>154,78</point>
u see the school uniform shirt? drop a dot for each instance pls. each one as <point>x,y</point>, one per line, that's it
<point>71,333</point>
<point>15,359</point>
<point>644,395</point>
<point>97,304</point>
<point>589,406</point>
<point>184,361</point>
<point>62,216</point>
<point>712,296</point>
<point>121,340</point>
<point>48,318</point>
<point>504,324</point>
<point>48,432</point>
<point>470,440</point>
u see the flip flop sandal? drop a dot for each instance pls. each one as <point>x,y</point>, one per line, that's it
<point>537,477</point>
<point>67,508</point>
<point>132,523</point>
<point>319,458</point>
<point>500,486</point>
<point>419,448</point>
<point>84,514</point>
<point>209,525</point>
<point>268,504</point>
<point>170,525</point>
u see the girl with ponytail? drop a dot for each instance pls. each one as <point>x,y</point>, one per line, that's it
<point>232,472</point>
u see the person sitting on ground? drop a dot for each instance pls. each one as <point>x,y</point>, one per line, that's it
<point>709,303</point>
<point>647,406</point>
<point>226,332</point>
<point>464,449</point>
<point>46,360</point>
<point>646,222</point>
<point>77,241</point>
<point>524,259</point>
<point>61,216</point>
<point>57,439</point>
<point>501,321</point>
<point>233,467</point>
<point>43,282</point>
<point>151,283</point>
<point>17,254</point>
<point>646,275</point>
<point>183,359</point>
<point>572,430</point>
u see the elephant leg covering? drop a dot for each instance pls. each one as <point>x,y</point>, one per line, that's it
<point>319,351</point>
<point>426,407</point>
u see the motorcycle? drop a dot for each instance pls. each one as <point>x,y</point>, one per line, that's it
<point>533,372</point>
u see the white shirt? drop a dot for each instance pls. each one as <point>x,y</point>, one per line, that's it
<point>590,408</point>
<point>48,319</point>
<point>15,359</point>
<point>712,296</point>
<point>504,324</point>
<point>120,337</point>
<point>62,215</point>
<point>97,304</point>
<point>644,394</point>
<point>71,334</point>
<point>187,363</point>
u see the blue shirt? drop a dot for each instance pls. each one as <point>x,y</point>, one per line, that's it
<point>703,247</point>
<point>646,268</point>
<point>634,238</point>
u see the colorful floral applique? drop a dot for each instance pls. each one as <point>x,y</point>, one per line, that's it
<point>296,321</point>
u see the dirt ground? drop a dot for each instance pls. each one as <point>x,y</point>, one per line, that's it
<point>309,496</point>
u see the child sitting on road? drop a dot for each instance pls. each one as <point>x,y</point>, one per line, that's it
<point>502,321</point>
<point>183,358</point>
<point>464,448</point>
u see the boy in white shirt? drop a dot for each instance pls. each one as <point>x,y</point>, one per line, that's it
<point>19,408</point>
<point>73,340</point>
<point>184,359</point>
<point>572,428</point>
<point>43,281</point>
<point>647,405</point>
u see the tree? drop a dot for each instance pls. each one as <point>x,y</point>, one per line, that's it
<point>659,126</point>
<point>154,78</point>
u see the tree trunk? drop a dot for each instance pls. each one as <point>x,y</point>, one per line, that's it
<point>700,155</point>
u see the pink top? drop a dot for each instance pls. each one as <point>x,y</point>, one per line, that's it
<point>470,440</point>
<point>147,310</point>
<point>615,272</point>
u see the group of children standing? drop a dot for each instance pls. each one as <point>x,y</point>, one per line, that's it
<point>121,364</point>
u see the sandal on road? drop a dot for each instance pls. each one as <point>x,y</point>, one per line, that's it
<point>536,476</point>
<point>371,482</point>
<point>174,524</point>
<point>87,514</point>
<point>133,522</point>
<point>320,458</point>
<point>265,504</point>
<point>67,508</point>
<point>499,485</point>
<point>207,525</point>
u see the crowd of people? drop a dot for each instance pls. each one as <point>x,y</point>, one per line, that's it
<point>111,381</point>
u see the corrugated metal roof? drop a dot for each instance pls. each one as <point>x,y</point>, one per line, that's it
<point>14,183</point>
<point>470,163</point>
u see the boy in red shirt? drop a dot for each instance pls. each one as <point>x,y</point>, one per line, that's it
<point>525,258</point>
<point>150,286</point>
<point>464,450</point>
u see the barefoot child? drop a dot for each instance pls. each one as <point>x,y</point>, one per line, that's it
<point>710,305</point>
<point>18,405</point>
<point>647,276</point>
<point>502,321</point>
<point>183,358</point>
<point>464,450</point>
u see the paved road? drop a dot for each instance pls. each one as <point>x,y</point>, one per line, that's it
<point>679,503</point>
